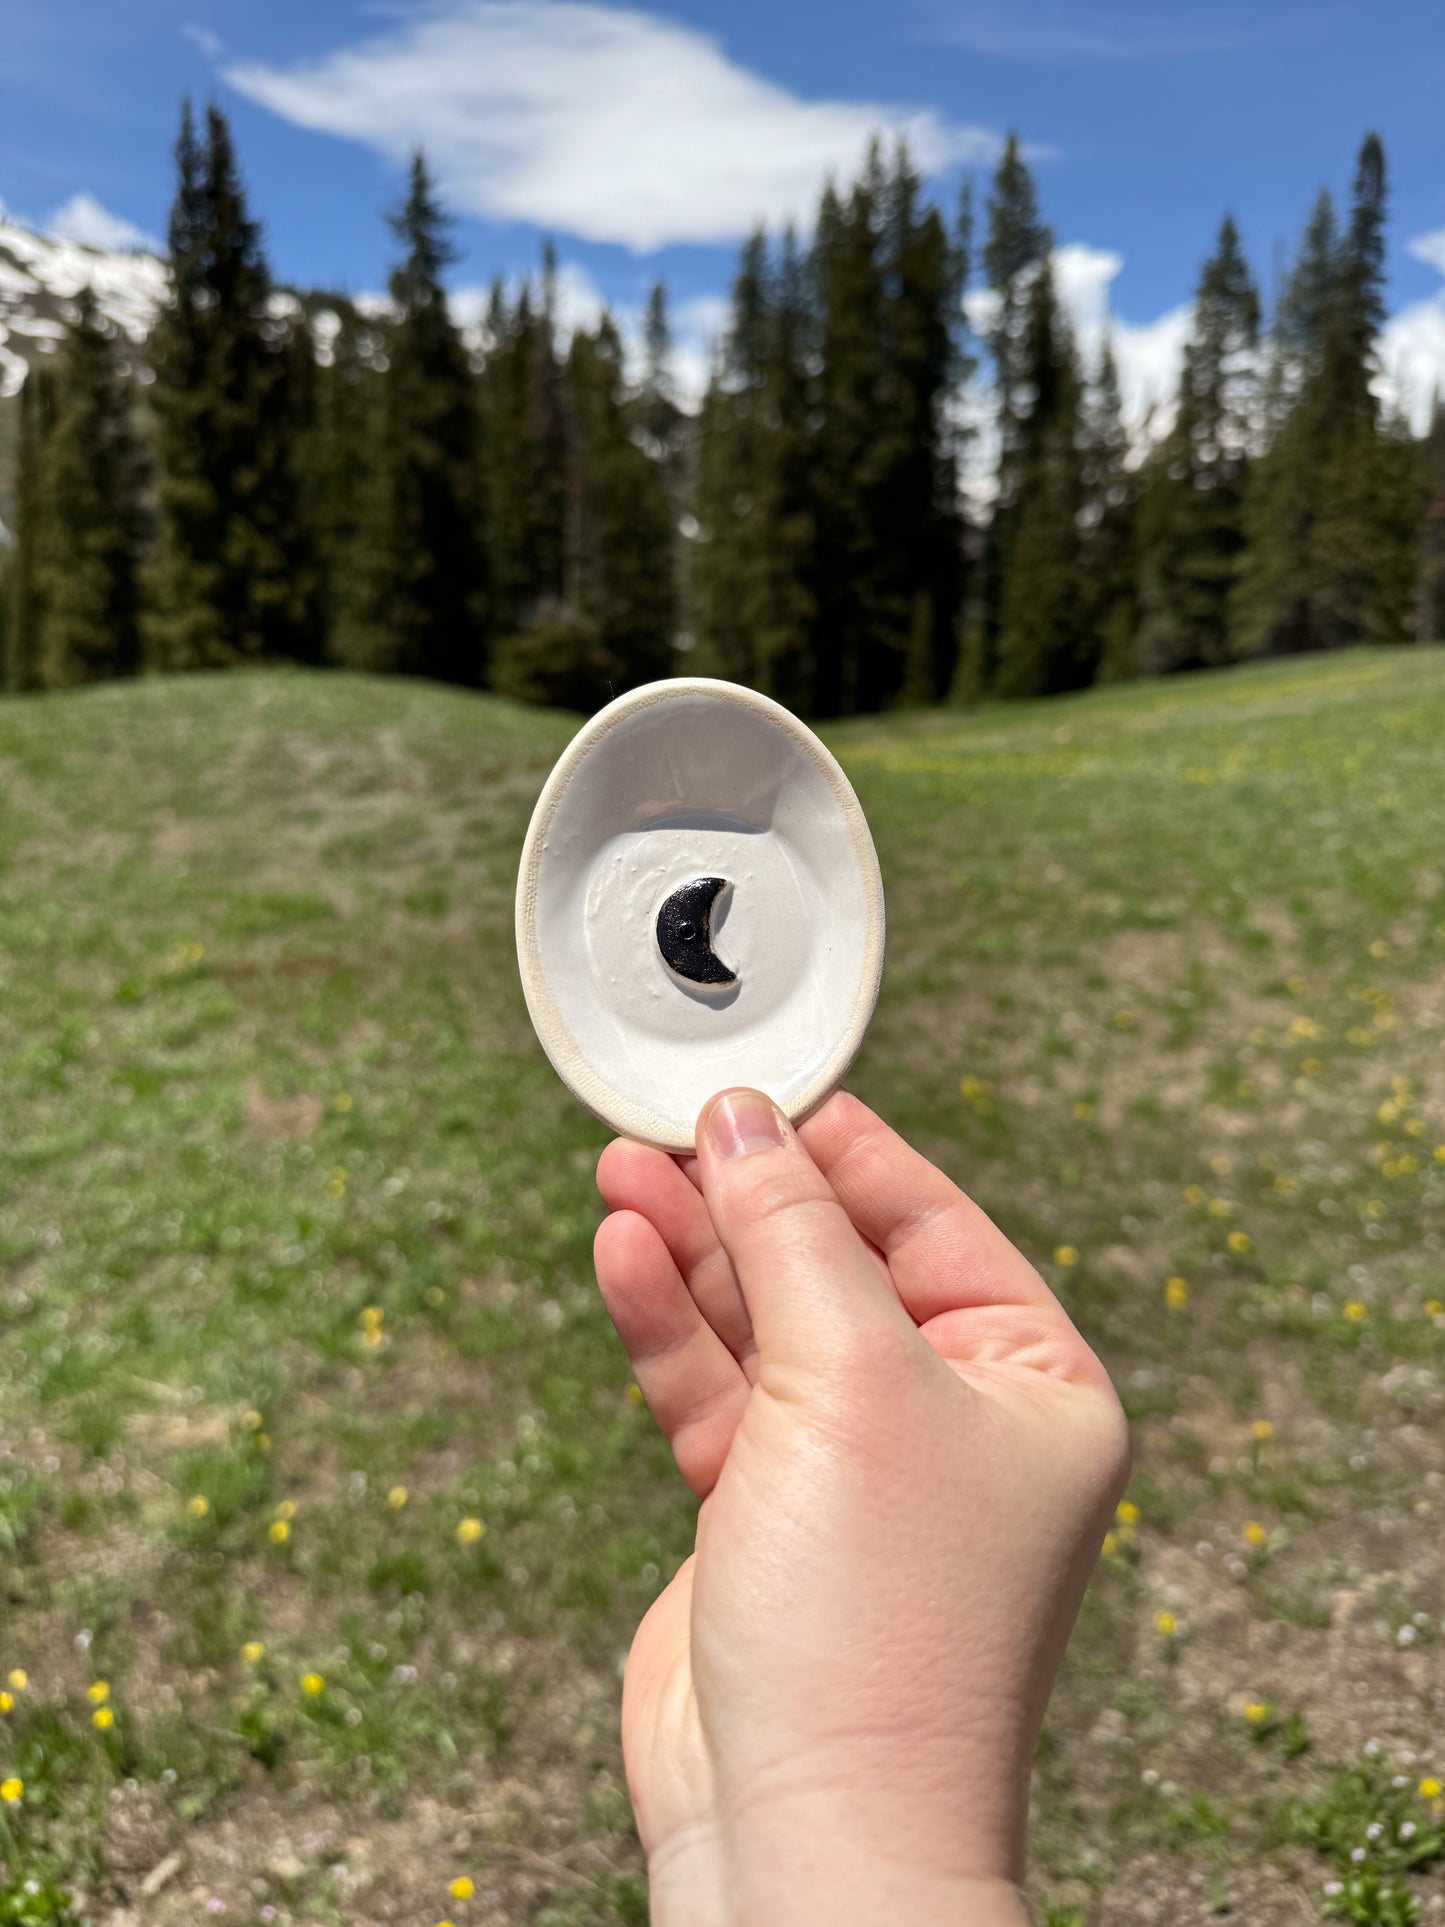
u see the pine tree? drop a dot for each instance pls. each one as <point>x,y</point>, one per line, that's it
<point>859,624</point>
<point>1108,530</point>
<point>754,561</point>
<point>23,576</point>
<point>1196,520</point>
<point>524,431</point>
<point>1331,520</point>
<point>340,476</point>
<point>1430,592</point>
<point>614,623</point>
<point>921,534</point>
<point>90,527</point>
<point>427,611</point>
<point>234,576</point>
<point>658,414</point>
<point>1016,245</point>
<point>619,561</point>
<point>1043,643</point>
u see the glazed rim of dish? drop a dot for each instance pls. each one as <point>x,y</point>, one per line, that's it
<point>615,1108</point>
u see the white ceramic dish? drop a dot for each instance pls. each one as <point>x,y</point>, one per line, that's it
<point>717,803</point>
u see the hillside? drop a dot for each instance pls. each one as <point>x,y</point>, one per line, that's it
<point>295,1281</point>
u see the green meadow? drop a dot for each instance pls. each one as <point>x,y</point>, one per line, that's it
<point>327,1504</point>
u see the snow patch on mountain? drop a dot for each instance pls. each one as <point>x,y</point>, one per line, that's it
<point>40,277</point>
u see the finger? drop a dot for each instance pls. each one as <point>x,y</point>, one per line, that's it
<point>692,1383</point>
<point>977,1299</point>
<point>636,1177</point>
<point>943,1251</point>
<point>805,1273</point>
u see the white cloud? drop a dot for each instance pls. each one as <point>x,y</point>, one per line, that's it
<point>1429,248</point>
<point>602,122</point>
<point>82,219</point>
<point>1412,344</point>
<point>1148,354</point>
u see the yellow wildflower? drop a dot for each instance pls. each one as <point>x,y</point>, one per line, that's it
<point>397,1497</point>
<point>279,1531</point>
<point>1111,1546</point>
<point>1379,948</point>
<point>7,1703</point>
<point>1194,1194</point>
<point>197,1506</point>
<point>1430,1788</point>
<point>286,1509</point>
<point>1165,1624</point>
<point>634,1392</point>
<point>1261,1431</point>
<point>1433,1307</point>
<point>312,1685</point>
<point>1220,1207</point>
<point>1355,1311</point>
<point>336,1187</point>
<point>343,1101</point>
<point>1257,1712</point>
<point>469,1531</point>
<point>1065,1255</point>
<point>102,1719</point>
<point>1239,1242</point>
<point>11,1790</point>
<point>1176,1293</point>
<point>461,1888</point>
<point>253,1652</point>
<point>98,1692</point>
<point>1255,1535</point>
<point>17,1678</point>
<point>1127,1513</point>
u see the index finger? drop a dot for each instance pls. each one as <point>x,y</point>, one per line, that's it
<point>944,1251</point>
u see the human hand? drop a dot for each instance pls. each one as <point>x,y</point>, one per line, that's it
<point>906,1457</point>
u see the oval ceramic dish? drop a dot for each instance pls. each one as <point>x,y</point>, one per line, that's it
<point>699,905</point>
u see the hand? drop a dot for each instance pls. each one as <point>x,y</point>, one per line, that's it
<point>907,1458</point>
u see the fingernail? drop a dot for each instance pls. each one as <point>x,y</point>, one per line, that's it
<point>744,1121</point>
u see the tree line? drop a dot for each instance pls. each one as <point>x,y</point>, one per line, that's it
<point>283,476</point>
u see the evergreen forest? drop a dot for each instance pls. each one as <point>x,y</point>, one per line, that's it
<point>280,475</point>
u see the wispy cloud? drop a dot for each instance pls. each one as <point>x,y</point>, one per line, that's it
<point>83,219</point>
<point>1111,30</point>
<point>601,122</point>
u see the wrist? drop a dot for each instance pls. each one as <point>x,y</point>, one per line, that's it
<point>817,1880</point>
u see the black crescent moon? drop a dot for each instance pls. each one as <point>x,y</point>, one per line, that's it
<point>684,932</point>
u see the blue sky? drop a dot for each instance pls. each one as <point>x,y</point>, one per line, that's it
<point>645,139</point>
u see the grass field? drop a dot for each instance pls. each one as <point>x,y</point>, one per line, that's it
<point>327,1507</point>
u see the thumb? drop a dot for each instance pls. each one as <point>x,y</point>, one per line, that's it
<point>811,1286</point>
